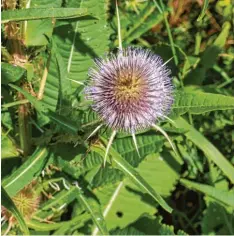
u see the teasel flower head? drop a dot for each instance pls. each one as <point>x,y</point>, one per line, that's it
<point>130,91</point>
<point>27,202</point>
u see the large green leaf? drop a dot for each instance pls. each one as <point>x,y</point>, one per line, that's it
<point>37,32</point>
<point>119,200</point>
<point>26,172</point>
<point>10,206</point>
<point>82,41</point>
<point>77,44</point>
<point>198,103</point>
<point>42,13</point>
<point>208,148</point>
<point>147,143</point>
<point>135,177</point>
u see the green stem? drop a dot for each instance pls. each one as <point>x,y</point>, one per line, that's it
<point>169,35</point>
<point>11,104</point>
<point>25,131</point>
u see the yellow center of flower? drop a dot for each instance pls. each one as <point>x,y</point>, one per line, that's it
<point>128,88</point>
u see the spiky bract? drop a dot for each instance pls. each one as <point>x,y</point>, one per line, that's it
<point>130,90</point>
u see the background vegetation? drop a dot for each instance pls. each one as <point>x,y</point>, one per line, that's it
<point>53,179</point>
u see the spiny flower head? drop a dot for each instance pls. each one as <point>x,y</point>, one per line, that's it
<point>130,90</point>
<point>27,202</point>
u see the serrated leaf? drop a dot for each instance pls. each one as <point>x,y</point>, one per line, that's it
<point>198,103</point>
<point>127,231</point>
<point>42,13</point>
<point>121,203</point>
<point>147,143</point>
<point>226,197</point>
<point>26,172</point>
<point>124,166</point>
<point>152,225</point>
<point>208,148</point>
<point>82,41</point>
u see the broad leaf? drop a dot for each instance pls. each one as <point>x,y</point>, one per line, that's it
<point>198,103</point>
<point>124,166</point>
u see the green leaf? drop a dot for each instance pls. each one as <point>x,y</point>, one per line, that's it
<point>38,32</point>
<point>216,215</point>
<point>124,166</point>
<point>119,200</point>
<point>11,73</point>
<point>8,147</point>
<point>148,18</point>
<point>79,220</point>
<point>204,8</point>
<point>82,41</point>
<point>94,210</point>
<point>26,172</point>
<point>42,13</point>
<point>198,103</point>
<point>59,200</point>
<point>151,225</point>
<point>42,106</point>
<point>208,148</point>
<point>10,206</point>
<point>219,195</point>
<point>147,143</point>
<point>208,57</point>
<point>126,231</point>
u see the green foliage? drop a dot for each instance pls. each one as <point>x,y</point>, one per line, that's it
<point>48,48</point>
<point>42,13</point>
<point>11,73</point>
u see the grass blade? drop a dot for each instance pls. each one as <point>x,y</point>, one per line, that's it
<point>204,8</point>
<point>42,13</point>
